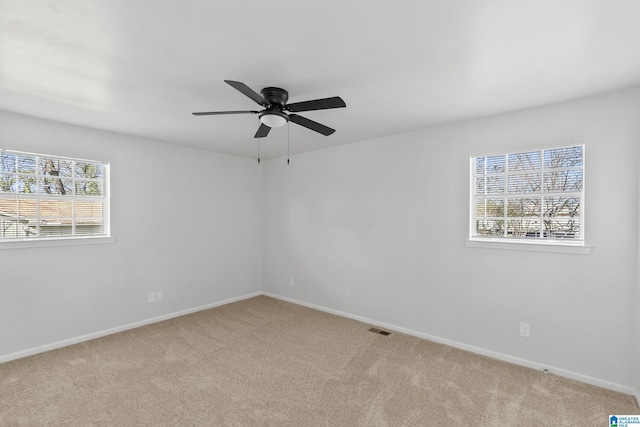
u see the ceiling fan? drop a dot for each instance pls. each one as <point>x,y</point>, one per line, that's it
<point>274,100</point>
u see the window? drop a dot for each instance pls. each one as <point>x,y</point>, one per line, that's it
<point>52,197</point>
<point>533,196</point>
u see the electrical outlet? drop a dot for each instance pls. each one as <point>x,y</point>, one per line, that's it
<point>525,329</point>
<point>159,296</point>
<point>291,283</point>
<point>347,292</point>
<point>151,297</point>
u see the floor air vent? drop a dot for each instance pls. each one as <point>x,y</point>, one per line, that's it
<point>379,331</point>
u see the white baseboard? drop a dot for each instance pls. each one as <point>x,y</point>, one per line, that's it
<point>478,350</point>
<point>105,332</point>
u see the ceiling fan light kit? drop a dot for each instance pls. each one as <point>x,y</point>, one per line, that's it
<point>274,100</point>
<point>273,118</point>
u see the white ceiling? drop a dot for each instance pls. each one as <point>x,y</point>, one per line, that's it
<point>141,67</point>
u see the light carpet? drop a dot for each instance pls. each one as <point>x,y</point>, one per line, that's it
<point>266,362</point>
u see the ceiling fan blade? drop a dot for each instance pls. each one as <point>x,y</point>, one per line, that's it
<point>215,113</point>
<point>317,104</point>
<point>248,92</point>
<point>310,124</point>
<point>263,131</point>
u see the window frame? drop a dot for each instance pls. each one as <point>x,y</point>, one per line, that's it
<point>565,245</point>
<point>61,240</point>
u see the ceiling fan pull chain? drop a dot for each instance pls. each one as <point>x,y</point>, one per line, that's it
<point>258,150</point>
<point>288,144</point>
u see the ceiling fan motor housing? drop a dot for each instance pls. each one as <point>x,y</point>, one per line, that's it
<point>275,96</point>
<point>274,115</point>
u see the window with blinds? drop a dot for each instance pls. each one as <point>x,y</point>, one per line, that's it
<point>52,197</point>
<point>529,196</point>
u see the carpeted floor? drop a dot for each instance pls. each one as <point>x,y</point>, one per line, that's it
<point>265,362</point>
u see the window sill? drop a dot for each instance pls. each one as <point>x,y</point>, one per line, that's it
<point>529,246</point>
<point>63,241</point>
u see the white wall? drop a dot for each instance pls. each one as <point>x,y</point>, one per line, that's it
<point>187,222</point>
<point>387,218</point>
<point>637,354</point>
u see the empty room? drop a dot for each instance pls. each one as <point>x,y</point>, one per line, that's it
<point>218,213</point>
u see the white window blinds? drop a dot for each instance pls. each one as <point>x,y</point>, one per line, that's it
<point>532,195</point>
<point>47,196</point>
